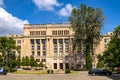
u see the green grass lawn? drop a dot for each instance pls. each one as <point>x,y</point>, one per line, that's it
<point>30,72</point>
<point>74,72</point>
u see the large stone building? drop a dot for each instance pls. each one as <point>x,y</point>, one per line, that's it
<point>51,44</point>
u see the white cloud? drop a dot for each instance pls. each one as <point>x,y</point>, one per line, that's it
<point>10,24</point>
<point>66,11</point>
<point>46,4</point>
<point>1,3</point>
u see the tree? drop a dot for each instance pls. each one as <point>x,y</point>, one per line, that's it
<point>86,23</point>
<point>7,47</point>
<point>18,62</point>
<point>33,62</point>
<point>111,56</point>
<point>1,61</point>
<point>100,63</point>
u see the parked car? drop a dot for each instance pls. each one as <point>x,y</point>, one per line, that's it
<point>98,71</point>
<point>3,71</point>
<point>118,70</point>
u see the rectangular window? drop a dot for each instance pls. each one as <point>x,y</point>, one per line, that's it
<point>38,47</point>
<point>33,47</point>
<point>67,47</point>
<point>43,60</point>
<point>43,41</point>
<point>106,40</point>
<point>55,47</point>
<point>61,47</point>
<point>38,53</point>
<point>61,65</point>
<point>55,65</point>
<point>38,41</point>
<point>43,32</point>
<point>44,47</point>
<point>18,41</point>
<point>32,41</point>
<point>38,60</point>
<point>54,41</point>
<point>61,41</point>
<point>33,53</point>
<point>66,41</point>
<point>106,46</point>
<point>44,53</point>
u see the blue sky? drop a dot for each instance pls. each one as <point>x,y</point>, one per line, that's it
<point>15,13</point>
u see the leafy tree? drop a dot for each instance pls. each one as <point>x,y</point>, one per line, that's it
<point>100,63</point>
<point>18,62</point>
<point>86,23</point>
<point>1,61</point>
<point>7,45</point>
<point>111,56</point>
<point>27,61</point>
<point>11,60</point>
<point>33,62</point>
<point>41,64</point>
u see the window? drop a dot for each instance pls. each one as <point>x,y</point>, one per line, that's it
<point>43,60</point>
<point>106,46</point>
<point>66,41</point>
<point>33,47</point>
<point>38,60</point>
<point>61,41</point>
<point>61,47</point>
<point>66,32</point>
<point>38,41</point>
<point>43,32</point>
<point>55,65</point>
<point>43,41</point>
<point>32,41</point>
<point>54,32</point>
<point>18,41</point>
<point>44,53</point>
<point>66,47</point>
<point>37,32</point>
<point>38,47</point>
<point>38,53</point>
<point>54,41</point>
<point>44,47</point>
<point>61,65</point>
<point>55,47</point>
<point>106,40</point>
<point>33,53</point>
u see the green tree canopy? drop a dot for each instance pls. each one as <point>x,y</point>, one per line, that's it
<point>86,23</point>
<point>111,56</point>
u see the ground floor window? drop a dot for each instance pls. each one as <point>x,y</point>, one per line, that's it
<point>61,65</point>
<point>67,65</point>
<point>55,65</point>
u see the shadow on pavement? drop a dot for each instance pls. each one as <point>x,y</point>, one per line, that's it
<point>114,76</point>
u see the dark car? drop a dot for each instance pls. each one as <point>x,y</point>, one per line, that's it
<point>98,71</point>
<point>3,71</point>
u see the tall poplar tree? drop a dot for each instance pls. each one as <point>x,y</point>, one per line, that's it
<point>86,23</point>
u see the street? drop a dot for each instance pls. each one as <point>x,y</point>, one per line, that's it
<point>80,76</point>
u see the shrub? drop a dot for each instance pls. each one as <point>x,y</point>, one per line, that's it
<point>51,71</point>
<point>67,71</point>
<point>48,71</point>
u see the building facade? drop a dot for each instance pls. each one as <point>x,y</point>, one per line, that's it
<point>52,45</point>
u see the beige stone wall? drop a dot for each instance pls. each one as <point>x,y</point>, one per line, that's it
<point>38,29</point>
